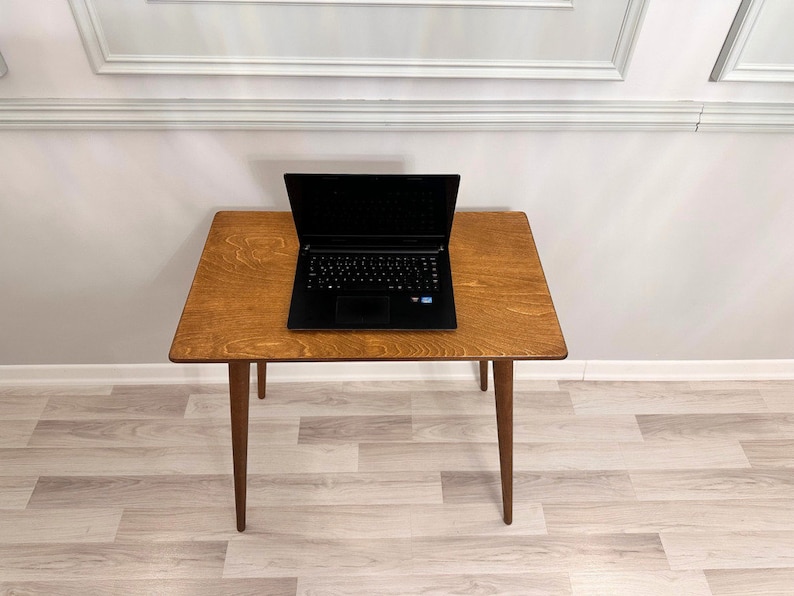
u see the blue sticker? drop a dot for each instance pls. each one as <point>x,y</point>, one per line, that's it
<point>427,300</point>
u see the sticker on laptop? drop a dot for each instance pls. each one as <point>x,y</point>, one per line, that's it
<point>426,299</point>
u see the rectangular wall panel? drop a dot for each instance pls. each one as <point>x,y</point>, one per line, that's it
<point>517,39</point>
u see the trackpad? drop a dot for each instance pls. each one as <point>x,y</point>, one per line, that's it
<point>362,310</point>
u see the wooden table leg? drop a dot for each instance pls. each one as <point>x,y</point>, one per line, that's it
<point>239,385</point>
<point>261,378</point>
<point>503,388</point>
<point>484,375</point>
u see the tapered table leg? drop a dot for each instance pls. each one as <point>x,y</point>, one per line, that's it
<point>261,378</point>
<point>239,385</point>
<point>484,375</point>
<point>503,388</point>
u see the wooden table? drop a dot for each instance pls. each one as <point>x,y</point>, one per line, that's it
<point>236,313</point>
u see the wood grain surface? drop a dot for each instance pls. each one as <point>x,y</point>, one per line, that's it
<point>238,304</point>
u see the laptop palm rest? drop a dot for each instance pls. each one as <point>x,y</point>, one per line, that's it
<point>362,310</point>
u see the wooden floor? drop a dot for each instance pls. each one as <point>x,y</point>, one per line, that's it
<point>393,488</point>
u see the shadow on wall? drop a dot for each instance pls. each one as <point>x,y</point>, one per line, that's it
<point>168,289</point>
<point>160,303</point>
<point>269,173</point>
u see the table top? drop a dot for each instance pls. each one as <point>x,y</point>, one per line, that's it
<point>238,304</point>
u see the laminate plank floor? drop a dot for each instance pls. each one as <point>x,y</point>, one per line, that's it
<point>359,488</point>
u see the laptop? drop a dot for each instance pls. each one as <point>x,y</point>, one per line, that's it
<point>373,251</point>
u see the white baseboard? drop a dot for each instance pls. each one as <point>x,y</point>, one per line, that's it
<point>593,370</point>
<point>126,374</point>
<point>687,370</point>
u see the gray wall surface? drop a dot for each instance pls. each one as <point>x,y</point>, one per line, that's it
<point>658,243</point>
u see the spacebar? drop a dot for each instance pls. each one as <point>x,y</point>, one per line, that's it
<point>367,286</point>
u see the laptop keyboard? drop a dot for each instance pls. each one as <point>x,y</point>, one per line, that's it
<point>415,273</point>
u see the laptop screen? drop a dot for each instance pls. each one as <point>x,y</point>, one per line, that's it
<point>360,206</point>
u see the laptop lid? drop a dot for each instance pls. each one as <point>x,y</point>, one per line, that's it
<point>394,210</point>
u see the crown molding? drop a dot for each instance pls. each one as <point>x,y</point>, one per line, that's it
<point>346,115</point>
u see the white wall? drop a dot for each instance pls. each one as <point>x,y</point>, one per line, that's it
<point>657,244</point>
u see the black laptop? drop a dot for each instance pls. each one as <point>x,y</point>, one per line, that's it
<point>373,251</point>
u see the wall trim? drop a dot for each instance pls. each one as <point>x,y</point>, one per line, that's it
<point>627,39</point>
<point>407,115</point>
<point>368,68</point>
<point>751,117</point>
<point>688,370</point>
<point>531,4</point>
<point>588,370</point>
<point>730,65</point>
<point>104,61</point>
<point>725,68</point>
<point>349,114</point>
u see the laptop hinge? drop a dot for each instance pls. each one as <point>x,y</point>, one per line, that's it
<point>371,249</point>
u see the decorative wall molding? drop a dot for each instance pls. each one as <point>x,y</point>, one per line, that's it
<point>732,63</point>
<point>629,32</point>
<point>750,117</point>
<point>532,4</point>
<point>347,115</point>
<point>737,37</point>
<point>399,115</point>
<point>609,64</point>
<point>587,370</point>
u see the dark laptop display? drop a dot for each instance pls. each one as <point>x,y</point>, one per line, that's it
<point>373,251</point>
